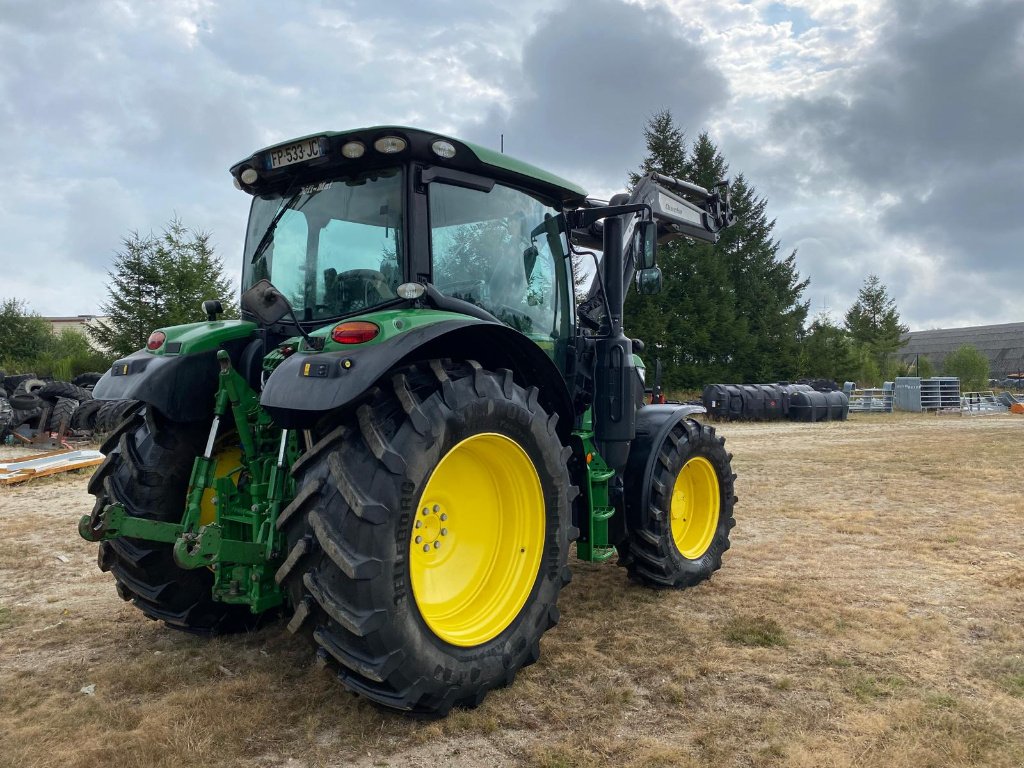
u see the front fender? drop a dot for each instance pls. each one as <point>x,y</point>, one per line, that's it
<point>653,423</point>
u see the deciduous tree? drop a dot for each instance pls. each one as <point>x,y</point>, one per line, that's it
<point>969,365</point>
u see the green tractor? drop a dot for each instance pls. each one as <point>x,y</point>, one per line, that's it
<point>397,444</point>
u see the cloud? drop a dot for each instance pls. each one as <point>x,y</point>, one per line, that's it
<point>592,74</point>
<point>920,142</point>
<point>885,136</point>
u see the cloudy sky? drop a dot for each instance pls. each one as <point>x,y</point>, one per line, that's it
<point>888,137</point>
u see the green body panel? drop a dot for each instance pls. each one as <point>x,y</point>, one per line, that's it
<point>392,323</point>
<point>202,337</point>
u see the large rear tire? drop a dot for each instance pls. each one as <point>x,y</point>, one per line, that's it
<point>679,539</point>
<point>147,468</point>
<point>428,538</point>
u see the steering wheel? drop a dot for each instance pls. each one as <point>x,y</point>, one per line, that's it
<point>377,280</point>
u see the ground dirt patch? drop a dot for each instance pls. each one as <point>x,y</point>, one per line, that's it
<point>869,614</point>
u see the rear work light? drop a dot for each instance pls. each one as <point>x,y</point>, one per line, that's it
<point>355,332</point>
<point>156,340</point>
<point>389,145</point>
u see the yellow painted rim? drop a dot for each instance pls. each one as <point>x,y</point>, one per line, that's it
<point>696,500</point>
<point>226,461</point>
<point>477,539</point>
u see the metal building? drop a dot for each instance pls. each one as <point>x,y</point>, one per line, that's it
<point>1002,344</point>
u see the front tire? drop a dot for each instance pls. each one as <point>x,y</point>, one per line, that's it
<point>680,537</point>
<point>428,538</point>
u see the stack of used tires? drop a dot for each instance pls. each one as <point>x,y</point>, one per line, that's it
<point>773,402</point>
<point>29,404</point>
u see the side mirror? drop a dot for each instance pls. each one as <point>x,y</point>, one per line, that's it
<point>265,303</point>
<point>650,280</point>
<point>648,235</point>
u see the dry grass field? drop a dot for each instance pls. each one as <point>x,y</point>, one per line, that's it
<point>870,613</point>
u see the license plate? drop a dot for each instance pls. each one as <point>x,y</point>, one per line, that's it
<point>289,154</point>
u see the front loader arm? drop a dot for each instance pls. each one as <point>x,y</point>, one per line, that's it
<point>679,209</point>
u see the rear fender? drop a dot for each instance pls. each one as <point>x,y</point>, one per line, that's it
<point>180,378</point>
<point>306,386</point>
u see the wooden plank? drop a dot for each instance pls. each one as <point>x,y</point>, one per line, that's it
<point>31,474</point>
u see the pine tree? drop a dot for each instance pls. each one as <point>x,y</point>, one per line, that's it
<point>768,290</point>
<point>691,325</point>
<point>874,323</point>
<point>158,281</point>
<point>666,148</point>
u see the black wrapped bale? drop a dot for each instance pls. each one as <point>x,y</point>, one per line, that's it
<point>753,402</point>
<point>838,405</point>
<point>715,399</point>
<point>787,391</point>
<point>808,406</point>
<point>736,403</point>
<point>773,410</point>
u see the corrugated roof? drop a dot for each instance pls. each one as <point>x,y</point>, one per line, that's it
<point>1003,345</point>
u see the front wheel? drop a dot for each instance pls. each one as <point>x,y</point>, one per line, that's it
<point>428,537</point>
<point>679,538</point>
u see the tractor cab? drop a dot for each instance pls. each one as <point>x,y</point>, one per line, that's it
<point>339,222</point>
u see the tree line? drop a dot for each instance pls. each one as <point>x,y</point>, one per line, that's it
<point>733,311</point>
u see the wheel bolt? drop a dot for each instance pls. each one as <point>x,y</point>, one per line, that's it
<point>437,545</point>
<point>426,547</point>
<point>419,523</point>
<point>437,507</point>
<point>444,517</point>
<point>419,539</point>
<point>426,511</point>
<point>444,531</point>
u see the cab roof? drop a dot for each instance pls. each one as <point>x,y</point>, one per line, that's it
<point>468,157</point>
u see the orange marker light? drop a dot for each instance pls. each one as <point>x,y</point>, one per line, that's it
<point>355,332</point>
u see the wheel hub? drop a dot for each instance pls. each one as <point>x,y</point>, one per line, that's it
<point>431,527</point>
<point>477,539</point>
<point>696,500</point>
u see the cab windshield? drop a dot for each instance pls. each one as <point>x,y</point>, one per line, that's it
<point>332,248</point>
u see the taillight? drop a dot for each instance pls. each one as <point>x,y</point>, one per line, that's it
<point>156,340</point>
<point>354,332</point>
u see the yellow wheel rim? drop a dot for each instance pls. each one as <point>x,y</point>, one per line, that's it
<point>695,504</point>
<point>477,539</point>
<point>226,461</point>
